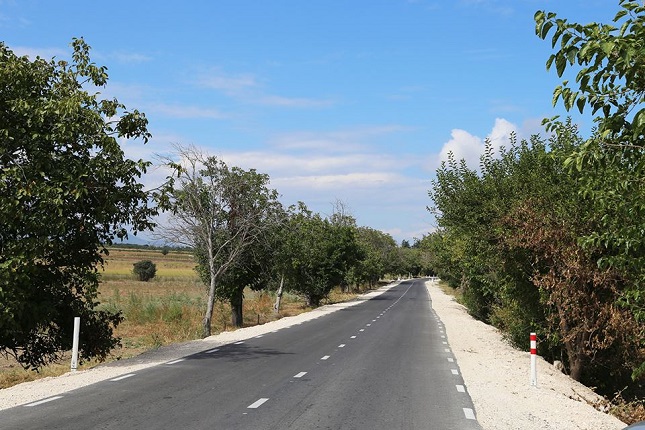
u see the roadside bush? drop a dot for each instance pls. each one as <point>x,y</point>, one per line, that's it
<point>145,270</point>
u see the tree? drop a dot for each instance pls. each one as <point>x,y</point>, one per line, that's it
<point>316,254</point>
<point>377,249</point>
<point>510,235</point>
<point>145,270</point>
<point>66,193</point>
<point>220,212</point>
<point>610,80</point>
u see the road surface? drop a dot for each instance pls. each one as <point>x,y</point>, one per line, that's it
<point>383,364</point>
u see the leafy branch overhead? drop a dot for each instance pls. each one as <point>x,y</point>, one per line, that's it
<point>611,78</point>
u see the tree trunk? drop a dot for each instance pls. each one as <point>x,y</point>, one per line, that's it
<point>312,301</point>
<point>574,345</point>
<point>236,308</point>
<point>208,316</point>
<point>276,306</point>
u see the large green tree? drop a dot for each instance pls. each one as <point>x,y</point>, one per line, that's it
<point>378,250</point>
<point>66,193</point>
<point>610,79</point>
<point>316,253</point>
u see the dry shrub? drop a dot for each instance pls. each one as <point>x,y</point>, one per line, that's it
<point>628,412</point>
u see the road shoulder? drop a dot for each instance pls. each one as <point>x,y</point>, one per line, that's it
<point>497,379</point>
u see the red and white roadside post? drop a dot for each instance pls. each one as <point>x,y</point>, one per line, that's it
<point>533,360</point>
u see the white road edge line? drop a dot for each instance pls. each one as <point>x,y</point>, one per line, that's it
<point>454,371</point>
<point>451,360</point>
<point>257,404</point>
<point>300,375</point>
<point>210,351</point>
<point>239,343</point>
<point>469,413</point>
<point>120,378</point>
<point>40,402</point>
<point>461,388</point>
<point>176,361</point>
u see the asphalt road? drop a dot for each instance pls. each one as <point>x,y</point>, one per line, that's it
<point>383,364</point>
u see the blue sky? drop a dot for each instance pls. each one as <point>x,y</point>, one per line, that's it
<point>352,100</point>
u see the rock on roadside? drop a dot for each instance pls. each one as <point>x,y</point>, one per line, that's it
<point>497,379</point>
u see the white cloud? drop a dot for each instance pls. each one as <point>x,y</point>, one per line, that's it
<point>357,180</point>
<point>247,88</point>
<point>463,145</point>
<point>183,111</point>
<point>344,140</point>
<point>46,53</point>
<point>129,57</point>
<point>232,85</point>
<point>469,147</point>
<point>271,100</point>
<point>501,133</point>
<point>314,164</point>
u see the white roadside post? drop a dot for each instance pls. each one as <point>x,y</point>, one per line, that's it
<point>77,330</point>
<point>533,360</point>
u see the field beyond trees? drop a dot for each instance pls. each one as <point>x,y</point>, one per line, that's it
<point>167,309</point>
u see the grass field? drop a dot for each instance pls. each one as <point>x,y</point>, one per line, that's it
<point>164,310</point>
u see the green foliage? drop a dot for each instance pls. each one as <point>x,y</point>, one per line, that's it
<point>510,240</point>
<point>377,251</point>
<point>317,254</point>
<point>610,78</point>
<point>66,191</point>
<point>609,59</point>
<point>225,214</point>
<point>144,270</point>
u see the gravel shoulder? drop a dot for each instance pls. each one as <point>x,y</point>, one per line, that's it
<point>496,375</point>
<point>497,379</point>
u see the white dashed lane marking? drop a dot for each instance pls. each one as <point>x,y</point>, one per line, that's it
<point>326,357</point>
<point>342,345</point>
<point>469,413</point>
<point>257,404</point>
<point>300,375</point>
<point>40,402</point>
<point>461,388</point>
<point>120,378</point>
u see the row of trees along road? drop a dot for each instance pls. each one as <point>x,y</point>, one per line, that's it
<point>243,237</point>
<point>67,193</point>
<point>549,235</point>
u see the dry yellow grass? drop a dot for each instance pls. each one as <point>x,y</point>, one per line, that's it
<point>167,309</point>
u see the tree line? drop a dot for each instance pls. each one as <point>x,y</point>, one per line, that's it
<point>68,193</point>
<point>548,233</point>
